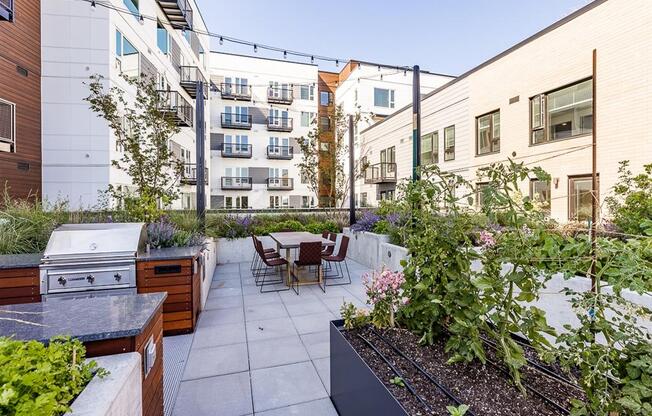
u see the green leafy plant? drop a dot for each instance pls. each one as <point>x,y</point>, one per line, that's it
<point>397,381</point>
<point>36,379</point>
<point>631,203</point>
<point>353,317</point>
<point>457,411</point>
<point>385,295</point>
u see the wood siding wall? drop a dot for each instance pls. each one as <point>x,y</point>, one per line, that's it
<point>20,51</point>
<point>328,81</point>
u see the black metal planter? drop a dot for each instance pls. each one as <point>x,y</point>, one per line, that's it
<point>355,389</point>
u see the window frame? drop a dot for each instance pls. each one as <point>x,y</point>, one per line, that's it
<point>543,111</point>
<point>135,4</point>
<point>321,101</point>
<point>7,12</point>
<point>492,140</point>
<point>391,95</point>
<point>478,193</point>
<point>311,92</point>
<point>160,27</point>
<point>571,193</point>
<point>547,209</point>
<point>12,140</point>
<point>446,148</point>
<point>434,147</point>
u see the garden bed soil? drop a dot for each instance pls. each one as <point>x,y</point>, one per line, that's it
<point>487,389</point>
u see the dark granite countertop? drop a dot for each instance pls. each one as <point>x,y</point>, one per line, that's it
<point>89,319</point>
<point>171,253</point>
<point>20,261</point>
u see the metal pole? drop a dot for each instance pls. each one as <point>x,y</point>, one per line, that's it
<point>200,130</point>
<point>594,176</point>
<point>351,174</point>
<point>416,123</point>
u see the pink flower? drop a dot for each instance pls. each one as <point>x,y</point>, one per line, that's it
<point>487,239</point>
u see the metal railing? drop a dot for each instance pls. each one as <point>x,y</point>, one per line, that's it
<point>189,176</point>
<point>236,182</point>
<point>175,106</point>
<point>233,91</point>
<point>278,184</point>
<point>179,12</point>
<point>280,152</point>
<point>384,172</point>
<point>241,150</point>
<point>190,76</point>
<point>280,95</point>
<point>279,124</point>
<point>236,121</point>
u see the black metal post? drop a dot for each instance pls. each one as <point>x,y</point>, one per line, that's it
<point>351,174</point>
<point>200,129</point>
<point>594,178</point>
<point>416,123</point>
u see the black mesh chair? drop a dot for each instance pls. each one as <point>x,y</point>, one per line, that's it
<point>337,260</point>
<point>255,262</point>
<point>309,257</point>
<point>270,262</point>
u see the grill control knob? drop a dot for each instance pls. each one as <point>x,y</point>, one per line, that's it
<point>90,278</point>
<point>118,277</point>
<point>62,281</point>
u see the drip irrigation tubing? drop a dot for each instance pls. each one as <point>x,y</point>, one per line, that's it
<point>422,371</point>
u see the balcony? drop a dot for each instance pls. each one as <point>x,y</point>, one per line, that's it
<point>280,95</point>
<point>240,92</point>
<point>236,150</point>
<point>178,12</point>
<point>190,77</point>
<point>280,184</point>
<point>280,152</point>
<point>236,121</point>
<point>383,172</point>
<point>279,124</point>
<point>176,108</point>
<point>6,10</point>
<point>236,183</point>
<point>189,176</point>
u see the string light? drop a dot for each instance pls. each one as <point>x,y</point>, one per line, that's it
<point>285,54</point>
<point>312,59</point>
<point>93,3</point>
<point>221,40</point>
<point>255,48</point>
<point>337,63</point>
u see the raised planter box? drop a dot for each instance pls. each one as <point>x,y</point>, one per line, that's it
<point>118,394</point>
<point>364,247</point>
<point>391,256</point>
<point>239,250</point>
<point>355,389</point>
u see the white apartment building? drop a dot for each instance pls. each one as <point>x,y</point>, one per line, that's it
<point>259,107</point>
<point>536,100</point>
<point>152,38</point>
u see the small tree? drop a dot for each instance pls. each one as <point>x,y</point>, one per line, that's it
<point>142,131</point>
<point>331,172</point>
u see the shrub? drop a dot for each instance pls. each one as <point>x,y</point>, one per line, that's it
<point>36,379</point>
<point>163,233</point>
<point>366,222</point>
<point>631,204</point>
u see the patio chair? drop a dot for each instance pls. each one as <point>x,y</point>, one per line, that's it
<point>254,260</point>
<point>328,251</point>
<point>338,259</point>
<point>324,234</point>
<point>273,261</point>
<point>310,257</point>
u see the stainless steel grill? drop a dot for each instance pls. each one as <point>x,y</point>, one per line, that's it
<point>85,260</point>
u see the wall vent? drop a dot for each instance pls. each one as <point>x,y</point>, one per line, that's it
<point>514,99</point>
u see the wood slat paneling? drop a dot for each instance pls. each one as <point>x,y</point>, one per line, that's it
<point>19,286</point>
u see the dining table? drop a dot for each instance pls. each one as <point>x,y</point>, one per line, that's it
<point>290,240</point>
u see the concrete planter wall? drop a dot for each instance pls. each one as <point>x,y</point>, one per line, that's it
<point>210,257</point>
<point>364,247</point>
<point>118,394</point>
<point>239,250</point>
<point>391,256</point>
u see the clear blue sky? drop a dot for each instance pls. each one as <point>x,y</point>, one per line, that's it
<point>446,36</point>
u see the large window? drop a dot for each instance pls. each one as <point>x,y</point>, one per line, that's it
<point>540,193</point>
<point>6,10</point>
<point>449,143</point>
<point>325,123</point>
<point>488,133</point>
<point>324,98</point>
<point>580,197</point>
<point>561,114</point>
<point>307,92</point>
<point>383,98</point>
<point>7,126</point>
<point>132,5</point>
<point>306,118</point>
<point>127,56</point>
<point>162,39</point>
<point>430,148</point>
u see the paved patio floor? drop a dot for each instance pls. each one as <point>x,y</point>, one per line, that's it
<point>263,354</point>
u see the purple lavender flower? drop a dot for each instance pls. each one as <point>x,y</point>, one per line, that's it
<point>393,219</point>
<point>366,222</point>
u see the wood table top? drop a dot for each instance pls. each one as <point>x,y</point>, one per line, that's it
<point>293,239</point>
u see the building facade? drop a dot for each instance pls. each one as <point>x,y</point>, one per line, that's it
<point>534,103</point>
<point>20,98</point>
<point>136,38</point>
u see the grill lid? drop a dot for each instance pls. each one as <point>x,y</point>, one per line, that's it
<point>89,241</point>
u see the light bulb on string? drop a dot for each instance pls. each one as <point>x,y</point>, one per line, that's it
<point>221,40</point>
<point>312,59</point>
<point>255,48</point>
<point>285,54</point>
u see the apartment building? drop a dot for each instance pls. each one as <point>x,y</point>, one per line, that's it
<point>136,38</point>
<point>536,100</point>
<point>259,107</point>
<point>20,98</point>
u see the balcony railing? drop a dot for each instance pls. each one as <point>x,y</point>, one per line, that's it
<point>189,176</point>
<point>236,150</point>
<point>280,95</point>
<point>178,12</point>
<point>236,121</point>
<point>236,183</point>
<point>384,172</point>
<point>279,124</point>
<point>175,107</point>
<point>280,152</point>
<point>190,77</point>
<point>230,91</point>
<point>280,184</point>
<point>6,10</point>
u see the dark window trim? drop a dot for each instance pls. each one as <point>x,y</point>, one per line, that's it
<point>477,193</point>
<point>7,12</point>
<point>531,186</point>
<point>454,142</point>
<point>491,129</point>
<point>12,142</point>
<point>434,151</point>
<point>569,191</point>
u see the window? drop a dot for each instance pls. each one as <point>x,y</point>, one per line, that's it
<point>7,126</point>
<point>324,147</point>
<point>579,197</point>
<point>228,202</point>
<point>562,114</point>
<point>487,133</point>
<point>306,118</point>
<point>324,98</point>
<point>307,92</point>
<point>127,56</point>
<point>449,143</point>
<point>363,199</point>
<point>479,194</point>
<point>430,148</point>
<point>132,6</point>
<point>383,98</point>
<point>540,193</point>
<point>7,10</point>
<point>187,35</point>
<point>387,195</point>
<point>324,123</point>
<point>162,39</point>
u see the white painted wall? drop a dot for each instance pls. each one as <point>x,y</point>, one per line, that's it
<point>620,30</point>
<point>77,42</point>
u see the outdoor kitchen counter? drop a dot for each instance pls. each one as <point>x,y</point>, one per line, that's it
<point>20,261</point>
<point>87,319</point>
<point>171,253</point>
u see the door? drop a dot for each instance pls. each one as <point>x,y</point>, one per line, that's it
<point>242,115</point>
<point>273,146</point>
<point>285,150</point>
